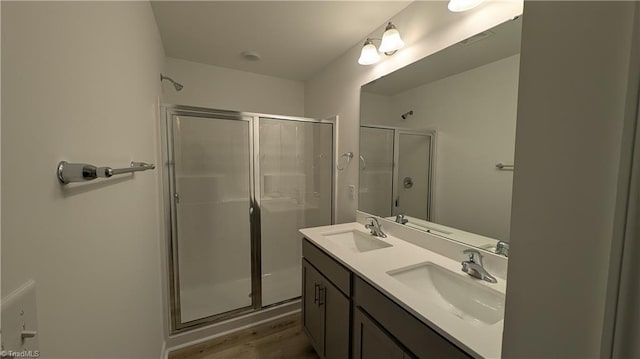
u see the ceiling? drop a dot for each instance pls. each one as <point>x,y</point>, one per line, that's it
<point>295,39</point>
<point>492,45</point>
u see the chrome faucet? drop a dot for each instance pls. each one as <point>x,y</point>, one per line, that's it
<point>400,219</point>
<point>502,248</point>
<point>473,266</point>
<point>374,227</point>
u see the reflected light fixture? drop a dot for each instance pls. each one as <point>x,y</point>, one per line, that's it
<point>463,5</point>
<point>390,43</point>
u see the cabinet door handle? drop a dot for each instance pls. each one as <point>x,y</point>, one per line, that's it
<point>315,292</point>
<point>322,292</point>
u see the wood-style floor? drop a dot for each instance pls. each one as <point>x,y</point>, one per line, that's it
<point>279,339</point>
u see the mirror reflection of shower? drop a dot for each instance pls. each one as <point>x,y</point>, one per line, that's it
<point>406,114</point>
<point>397,176</point>
<point>178,86</point>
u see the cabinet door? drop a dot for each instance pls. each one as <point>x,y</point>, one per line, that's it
<point>336,314</point>
<point>371,342</point>
<point>312,311</point>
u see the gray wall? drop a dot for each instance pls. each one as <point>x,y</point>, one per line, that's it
<point>80,83</point>
<point>572,163</point>
<point>627,324</point>
<point>228,89</point>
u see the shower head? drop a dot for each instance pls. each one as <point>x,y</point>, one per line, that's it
<point>406,114</point>
<point>178,86</point>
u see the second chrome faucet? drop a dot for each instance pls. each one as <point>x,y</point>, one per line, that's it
<point>373,226</point>
<point>474,267</point>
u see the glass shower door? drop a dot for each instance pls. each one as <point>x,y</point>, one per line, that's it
<point>295,192</point>
<point>211,204</point>
<point>413,174</point>
<point>376,171</point>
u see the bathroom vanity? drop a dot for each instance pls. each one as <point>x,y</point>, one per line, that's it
<point>371,297</point>
<point>435,165</point>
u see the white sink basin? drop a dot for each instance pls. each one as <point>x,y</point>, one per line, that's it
<point>356,241</point>
<point>461,296</point>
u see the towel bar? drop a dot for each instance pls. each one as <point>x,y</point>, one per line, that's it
<point>82,172</point>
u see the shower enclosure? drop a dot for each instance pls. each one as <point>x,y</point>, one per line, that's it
<point>239,186</point>
<point>396,168</point>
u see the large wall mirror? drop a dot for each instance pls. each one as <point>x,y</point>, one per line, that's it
<point>437,140</point>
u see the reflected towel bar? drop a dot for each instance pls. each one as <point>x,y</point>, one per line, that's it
<point>504,167</point>
<point>82,172</point>
<point>364,164</point>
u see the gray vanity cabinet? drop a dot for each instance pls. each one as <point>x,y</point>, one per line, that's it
<point>346,317</point>
<point>312,310</point>
<point>418,339</point>
<point>325,307</point>
<point>371,341</point>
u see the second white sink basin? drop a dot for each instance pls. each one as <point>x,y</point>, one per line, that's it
<point>461,296</point>
<point>357,241</point>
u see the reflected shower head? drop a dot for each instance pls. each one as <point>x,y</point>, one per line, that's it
<point>406,114</point>
<point>178,86</point>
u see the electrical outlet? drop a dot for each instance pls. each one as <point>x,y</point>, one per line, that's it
<point>352,191</point>
<point>19,323</point>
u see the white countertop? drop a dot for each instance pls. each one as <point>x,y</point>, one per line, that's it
<point>478,340</point>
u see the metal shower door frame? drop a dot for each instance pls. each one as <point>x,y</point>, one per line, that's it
<point>171,228</point>
<point>257,208</point>
<point>169,112</point>
<point>431,134</point>
<point>397,131</point>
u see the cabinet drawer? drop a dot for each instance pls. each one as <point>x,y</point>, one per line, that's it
<point>408,330</point>
<point>332,270</point>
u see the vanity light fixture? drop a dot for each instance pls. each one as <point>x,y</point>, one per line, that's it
<point>389,44</point>
<point>391,41</point>
<point>369,54</point>
<point>463,5</point>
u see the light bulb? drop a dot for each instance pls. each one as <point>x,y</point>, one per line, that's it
<point>369,54</point>
<point>391,41</point>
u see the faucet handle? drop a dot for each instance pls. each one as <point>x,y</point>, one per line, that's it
<point>370,223</point>
<point>374,227</point>
<point>474,256</point>
<point>502,248</point>
<point>400,219</point>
